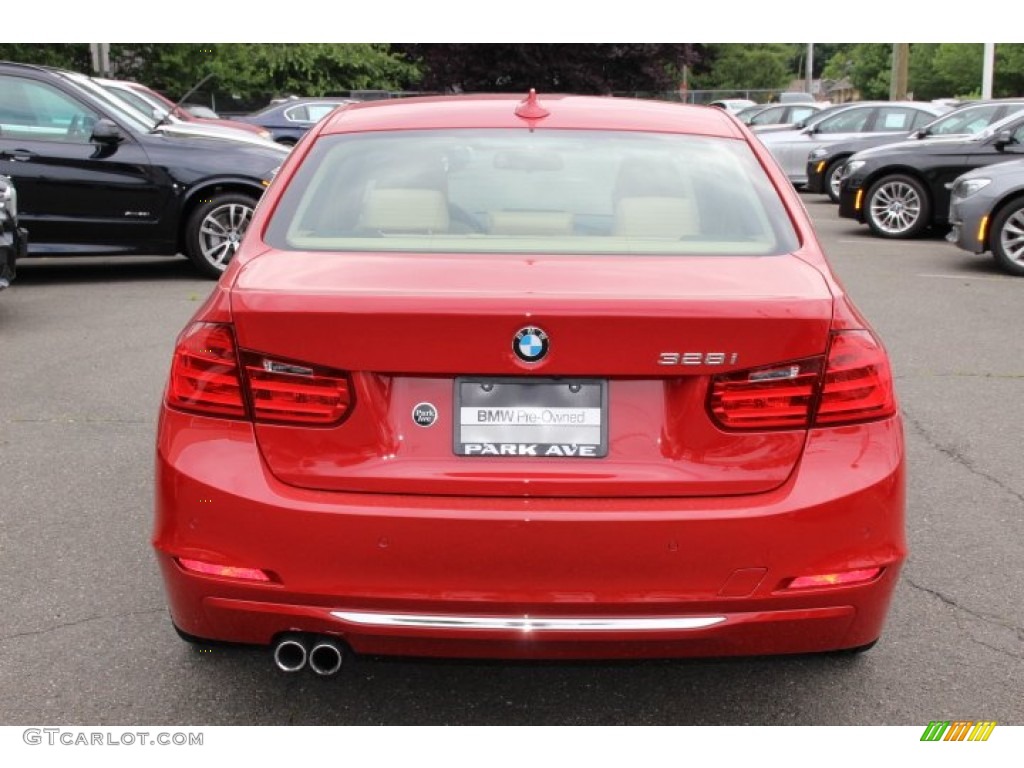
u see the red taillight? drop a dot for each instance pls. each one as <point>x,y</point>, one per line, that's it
<point>205,379</point>
<point>858,382</point>
<point>856,386</point>
<point>775,397</point>
<point>286,393</point>
<point>204,374</point>
<point>224,571</point>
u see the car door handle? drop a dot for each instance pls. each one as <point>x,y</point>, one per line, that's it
<point>17,155</point>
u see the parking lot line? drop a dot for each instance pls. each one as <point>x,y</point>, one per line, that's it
<point>993,278</point>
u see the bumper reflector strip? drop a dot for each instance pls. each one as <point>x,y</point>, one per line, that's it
<point>835,579</point>
<point>224,571</point>
<point>983,229</point>
<point>527,623</point>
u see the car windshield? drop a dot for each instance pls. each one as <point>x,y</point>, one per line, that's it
<point>118,108</point>
<point>821,114</point>
<point>517,191</point>
<point>138,102</point>
<point>1007,122</point>
<point>964,121</point>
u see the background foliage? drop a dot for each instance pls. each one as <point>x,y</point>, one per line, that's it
<point>255,72</point>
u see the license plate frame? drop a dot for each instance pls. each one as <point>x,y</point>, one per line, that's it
<point>540,417</point>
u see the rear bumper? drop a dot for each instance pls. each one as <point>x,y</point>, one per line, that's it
<point>531,578</point>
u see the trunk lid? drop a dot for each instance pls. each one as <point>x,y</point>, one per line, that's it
<point>408,328</point>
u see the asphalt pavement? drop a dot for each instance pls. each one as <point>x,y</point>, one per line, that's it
<point>84,632</point>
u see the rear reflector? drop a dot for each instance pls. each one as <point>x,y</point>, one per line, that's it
<point>225,571</point>
<point>204,373</point>
<point>853,384</point>
<point>840,579</point>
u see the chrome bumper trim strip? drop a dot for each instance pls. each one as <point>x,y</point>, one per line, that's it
<point>527,623</point>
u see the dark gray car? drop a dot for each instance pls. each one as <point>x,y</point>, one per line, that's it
<point>986,210</point>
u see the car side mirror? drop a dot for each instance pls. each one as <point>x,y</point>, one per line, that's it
<point>106,132</point>
<point>809,130</point>
<point>1002,140</point>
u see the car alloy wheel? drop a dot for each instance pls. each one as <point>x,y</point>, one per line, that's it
<point>1008,238</point>
<point>897,207</point>
<point>833,176</point>
<point>215,231</point>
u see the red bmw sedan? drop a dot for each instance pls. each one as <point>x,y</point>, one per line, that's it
<point>555,377</point>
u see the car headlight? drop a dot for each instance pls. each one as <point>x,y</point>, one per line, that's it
<point>818,153</point>
<point>265,134</point>
<point>968,187</point>
<point>852,167</point>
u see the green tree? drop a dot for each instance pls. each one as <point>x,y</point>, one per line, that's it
<point>74,56</point>
<point>248,70</point>
<point>753,66</point>
<point>1008,79</point>
<point>599,68</point>
<point>959,65</point>
<point>867,65</point>
<point>926,82</point>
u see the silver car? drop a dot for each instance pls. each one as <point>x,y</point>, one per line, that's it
<point>866,118</point>
<point>986,210</point>
<point>781,114</point>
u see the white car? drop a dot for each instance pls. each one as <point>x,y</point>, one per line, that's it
<point>733,105</point>
<point>166,122</point>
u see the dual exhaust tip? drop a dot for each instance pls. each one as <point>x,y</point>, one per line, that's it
<point>324,655</point>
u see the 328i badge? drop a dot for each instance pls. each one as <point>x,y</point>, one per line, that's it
<point>529,378</point>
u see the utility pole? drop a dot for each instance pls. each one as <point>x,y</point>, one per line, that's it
<point>810,68</point>
<point>900,72</point>
<point>988,70</point>
<point>100,58</point>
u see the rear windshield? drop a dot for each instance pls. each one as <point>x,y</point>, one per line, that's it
<point>517,191</point>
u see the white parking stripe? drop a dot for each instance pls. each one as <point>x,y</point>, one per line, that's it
<point>993,278</point>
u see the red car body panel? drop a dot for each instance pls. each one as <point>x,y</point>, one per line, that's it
<point>333,551</point>
<point>366,526</point>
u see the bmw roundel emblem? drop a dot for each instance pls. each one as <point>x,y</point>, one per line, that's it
<point>530,344</point>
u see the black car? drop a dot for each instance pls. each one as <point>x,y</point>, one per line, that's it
<point>289,120</point>
<point>825,165</point>
<point>900,190</point>
<point>13,239</point>
<point>94,177</point>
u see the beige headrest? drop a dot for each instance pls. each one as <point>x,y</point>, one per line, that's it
<point>405,210</point>
<point>673,217</point>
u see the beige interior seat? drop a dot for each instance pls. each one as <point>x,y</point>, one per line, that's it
<point>540,223</point>
<point>666,217</point>
<point>401,210</point>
